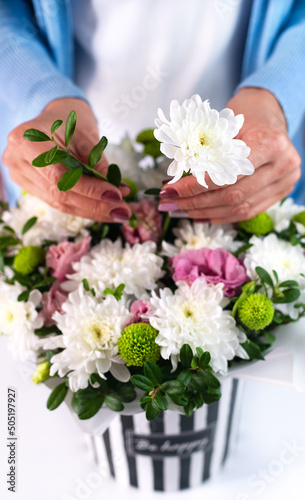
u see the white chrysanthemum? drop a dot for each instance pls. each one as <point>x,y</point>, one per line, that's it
<point>272,253</point>
<point>18,320</point>
<point>109,264</point>
<point>194,235</point>
<point>90,330</point>
<point>194,315</point>
<point>200,139</point>
<point>51,224</point>
<point>281,214</point>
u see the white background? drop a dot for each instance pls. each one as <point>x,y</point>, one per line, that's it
<point>55,461</point>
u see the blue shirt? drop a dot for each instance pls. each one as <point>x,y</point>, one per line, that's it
<point>37,62</point>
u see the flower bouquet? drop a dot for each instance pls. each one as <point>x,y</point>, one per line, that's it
<point>149,314</point>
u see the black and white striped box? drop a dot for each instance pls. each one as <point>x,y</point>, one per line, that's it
<point>173,452</point>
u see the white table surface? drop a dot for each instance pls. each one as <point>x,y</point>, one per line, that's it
<point>55,462</point>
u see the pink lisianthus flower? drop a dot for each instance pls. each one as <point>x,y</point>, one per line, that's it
<point>60,257</point>
<point>52,302</point>
<point>139,308</point>
<point>149,226</point>
<point>216,266</point>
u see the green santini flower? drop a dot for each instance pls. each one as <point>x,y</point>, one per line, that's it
<point>137,344</point>
<point>258,225</point>
<point>299,218</point>
<point>28,258</point>
<point>256,311</point>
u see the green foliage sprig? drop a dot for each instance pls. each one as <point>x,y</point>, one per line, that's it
<point>59,154</point>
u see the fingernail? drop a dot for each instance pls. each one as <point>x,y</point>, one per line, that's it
<point>111,196</point>
<point>167,180</point>
<point>168,207</point>
<point>169,193</point>
<point>124,184</point>
<point>119,215</point>
<point>179,213</point>
<point>202,220</point>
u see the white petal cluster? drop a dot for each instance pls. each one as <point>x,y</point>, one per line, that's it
<point>273,253</point>
<point>194,235</point>
<point>281,214</point>
<point>194,315</point>
<point>51,224</point>
<point>201,140</point>
<point>18,320</point>
<point>90,330</point>
<point>109,264</point>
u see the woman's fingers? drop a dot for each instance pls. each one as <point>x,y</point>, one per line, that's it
<point>72,202</point>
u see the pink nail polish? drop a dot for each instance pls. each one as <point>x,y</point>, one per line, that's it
<point>202,220</point>
<point>168,207</point>
<point>111,196</point>
<point>169,193</point>
<point>119,215</point>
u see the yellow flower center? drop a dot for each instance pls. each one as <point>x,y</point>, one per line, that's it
<point>98,334</point>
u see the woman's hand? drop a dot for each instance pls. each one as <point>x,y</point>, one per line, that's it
<point>91,197</point>
<point>276,163</point>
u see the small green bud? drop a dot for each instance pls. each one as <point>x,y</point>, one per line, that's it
<point>42,372</point>
<point>256,311</point>
<point>133,189</point>
<point>258,225</point>
<point>28,258</point>
<point>137,344</point>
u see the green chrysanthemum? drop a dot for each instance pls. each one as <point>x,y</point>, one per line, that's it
<point>28,258</point>
<point>299,218</point>
<point>256,311</point>
<point>42,372</point>
<point>258,225</point>
<point>137,344</point>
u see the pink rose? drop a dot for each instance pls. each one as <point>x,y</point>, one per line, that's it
<point>149,223</point>
<point>60,257</point>
<point>52,302</point>
<point>139,308</point>
<point>216,266</point>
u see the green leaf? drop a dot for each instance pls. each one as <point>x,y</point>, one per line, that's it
<point>142,382</point>
<point>105,231</point>
<point>8,229</point>
<point>269,337</point>
<point>185,377</point>
<point>194,363</point>
<point>108,291</point>
<point>70,127</point>
<point>46,330</point>
<point>275,275</point>
<point>173,387</point>
<point>146,136</point>
<point>51,154</point>
<point>204,360</point>
<point>57,396</point>
<point>133,221</point>
<point>72,163</point>
<point>55,126</point>
<point>86,284</point>
<point>288,283</point>
<point>152,410</point>
<point>252,350</point>
<point>8,241</point>
<point>23,296</point>
<point>27,226</point>
<point>152,192</point>
<point>209,379</point>
<point>113,402</point>
<point>161,401</point>
<point>152,149</point>
<point>264,276</point>
<point>211,397</point>
<point>114,175</point>
<point>126,393</point>
<point>144,399</point>
<point>153,372</point>
<point>180,400</point>
<point>34,135</point>
<point>91,408</point>
<point>118,292</point>
<point>97,151</point>
<point>189,408</point>
<point>40,161</point>
<point>289,295</point>
<point>199,351</point>
<point>186,355</point>
<point>69,179</point>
